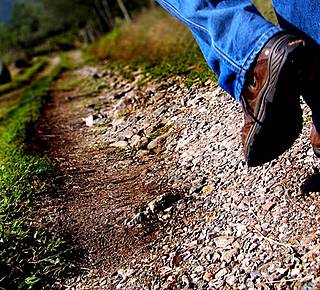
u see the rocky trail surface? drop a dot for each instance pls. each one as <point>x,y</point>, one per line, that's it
<point>151,190</point>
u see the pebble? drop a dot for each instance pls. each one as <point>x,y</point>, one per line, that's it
<point>199,269</point>
<point>230,280</point>
<point>221,273</point>
<point>208,276</point>
<point>119,144</point>
<point>223,242</point>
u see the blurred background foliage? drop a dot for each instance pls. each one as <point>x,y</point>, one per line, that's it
<point>39,26</point>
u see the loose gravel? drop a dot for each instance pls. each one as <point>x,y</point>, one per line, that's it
<point>236,227</point>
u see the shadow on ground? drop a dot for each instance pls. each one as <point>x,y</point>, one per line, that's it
<point>312,183</point>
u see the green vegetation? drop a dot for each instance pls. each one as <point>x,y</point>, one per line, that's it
<point>266,9</point>
<point>28,253</point>
<point>84,85</point>
<point>160,131</point>
<point>165,49</point>
<point>24,78</point>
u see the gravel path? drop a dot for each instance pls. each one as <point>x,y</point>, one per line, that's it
<point>236,227</point>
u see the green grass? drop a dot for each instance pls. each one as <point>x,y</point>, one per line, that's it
<point>28,254</point>
<point>166,49</point>
<point>266,9</point>
<point>25,78</point>
<point>162,130</point>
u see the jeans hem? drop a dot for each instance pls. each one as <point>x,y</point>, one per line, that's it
<point>191,24</point>
<point>251,58</point>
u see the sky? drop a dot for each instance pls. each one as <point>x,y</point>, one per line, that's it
<point>5,8</point>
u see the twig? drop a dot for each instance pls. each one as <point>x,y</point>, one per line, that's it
<point>289,246</point>
<point>292,280</point>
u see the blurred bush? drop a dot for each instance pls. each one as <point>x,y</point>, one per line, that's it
<point>152,37</point>
<point>157,43</point>
<point>5,76</point>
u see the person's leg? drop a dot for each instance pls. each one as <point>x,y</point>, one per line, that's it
<point>230,34</point>
<point>256,63</point>
<point>302,17</point>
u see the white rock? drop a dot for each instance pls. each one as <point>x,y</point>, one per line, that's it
<point>223,241</point>
<point>119,144</point>
<point>199,269</point>
<point>88,121</point>
<point>221,273</point>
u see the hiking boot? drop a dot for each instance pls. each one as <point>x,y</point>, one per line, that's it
<point>270,100</point>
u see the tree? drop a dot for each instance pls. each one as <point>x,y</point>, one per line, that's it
<point>124,11</point>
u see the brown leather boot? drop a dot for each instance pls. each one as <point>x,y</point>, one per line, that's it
<point>315,141</point>
<point>270,100</point>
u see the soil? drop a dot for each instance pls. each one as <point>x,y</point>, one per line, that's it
<point>94,189</point>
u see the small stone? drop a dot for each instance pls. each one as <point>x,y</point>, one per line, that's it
<point>228,255</point>
<point>295,272</point>
<point>223,241</point>
<point>221,273</point>
<point>255,274</point>
<point>157,144</point>
<point>142,153</point>
<point>208,276</point>
<point>89,121</point>
<point>119,286</point>
<point>312,208</point>
<point>169,284</point>
<point>103,282</point>
<point>119,144</point>
<point>135,141</point>
<point>135,220</point>
<point>199,269</point>
<point>230,280</point>
<point>281,272</point>
<point>165,271</point>
<point>216,257</point>
<point>152,205</point>
<point>125,273</point>
<point>268,205</point>
<point>240,229</point>
<point>186,279</point>
<point>262,200</point>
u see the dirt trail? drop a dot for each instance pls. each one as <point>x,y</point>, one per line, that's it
<point>95,188</point>
<point>117,148</point>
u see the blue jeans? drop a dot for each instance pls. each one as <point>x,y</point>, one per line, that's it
<point>230,33</point>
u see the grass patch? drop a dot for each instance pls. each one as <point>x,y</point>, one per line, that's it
<point>25,78</point>
<point>160,131</point>
<point>84,85</point>
<point>163,50</point>
<point>28,254</point>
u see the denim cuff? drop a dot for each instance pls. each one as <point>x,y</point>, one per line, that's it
<point>251,58</point>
